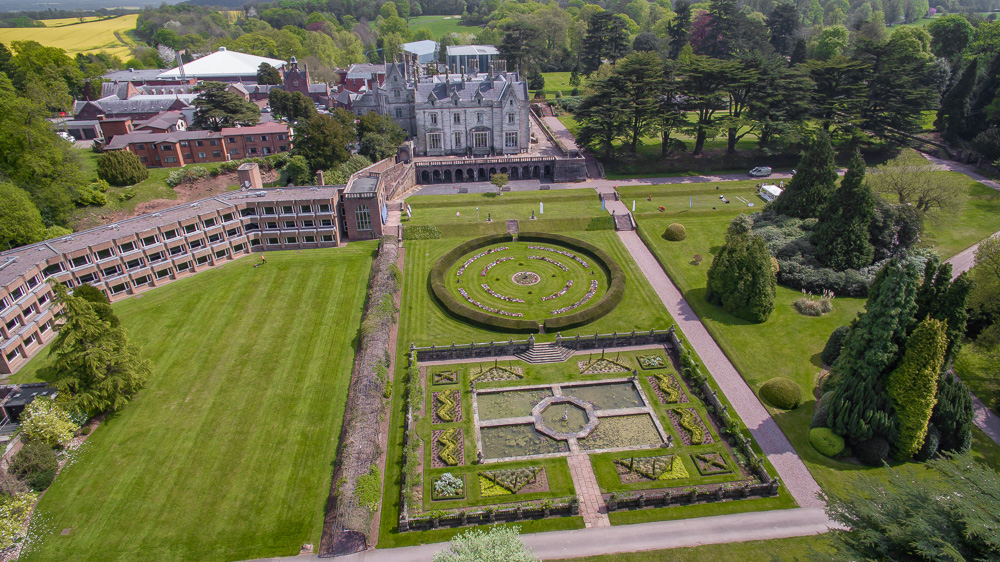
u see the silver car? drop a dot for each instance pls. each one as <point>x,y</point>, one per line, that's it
<point>760,172</point>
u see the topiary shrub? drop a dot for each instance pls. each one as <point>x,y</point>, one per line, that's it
<point>932,442</point>
<point>675,232</point>
<point>873,452</point>
<point>826,441</point>
<point>834,344</point>
<point>781,393</point>
<point>121,167</point>
<point>821,414</point>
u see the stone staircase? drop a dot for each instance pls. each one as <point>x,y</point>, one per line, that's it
<point>512,228</point>
<point>623,222</point>
<point>545,353</point>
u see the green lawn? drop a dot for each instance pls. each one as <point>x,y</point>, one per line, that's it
<point>787,344</point>
<point>557,82</point>
<point>640,307</point>
<point>441,25</point>
<point>974,367</point>
<point>154,187</point>
<point>648,161</point>
<point>796,548</point>
<point>226,454</point>
<point>473,208</point>
<point>979,217</point>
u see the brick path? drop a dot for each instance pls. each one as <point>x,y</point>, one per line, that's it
<point>592,506</point>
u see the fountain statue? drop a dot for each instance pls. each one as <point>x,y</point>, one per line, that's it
<point>565,416</point>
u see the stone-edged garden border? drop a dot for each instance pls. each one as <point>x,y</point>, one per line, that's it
<point>682,398</point>
<point>463,310</point>
<point>686,435</point>
<point>557,396</point>
<point>437,448</point>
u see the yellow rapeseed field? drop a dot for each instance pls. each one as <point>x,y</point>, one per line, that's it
<point>90,37</point>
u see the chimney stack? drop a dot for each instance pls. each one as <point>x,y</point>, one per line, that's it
<point>319,177</point>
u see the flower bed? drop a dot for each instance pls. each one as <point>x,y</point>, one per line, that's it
<point>647,469</point>
<point>549,260</point>
<point>487,308</point>
<point>493,264</point>
<point>445,377</point>
<point>573,257</point>
<point>602,366</point>
<point>448,487</point>
<point>667,389</point>
<point>690,427</point>
<point>525,480</point>
<point>447,407</point>
<point>469,261</point>
<point>590,294</point>
<point>498,374</point>
<point>710,463</point>
<point>561,292</point>
<point>652,361</point>
<point>493,293</point>
<point>448,447</point>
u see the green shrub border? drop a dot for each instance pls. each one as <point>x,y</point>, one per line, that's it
<point>460,309</point>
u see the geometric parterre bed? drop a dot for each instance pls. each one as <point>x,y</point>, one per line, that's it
<point>522,284</point>
<point>511,442</point>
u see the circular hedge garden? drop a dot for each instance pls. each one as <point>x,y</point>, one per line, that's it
<point>539,280</point>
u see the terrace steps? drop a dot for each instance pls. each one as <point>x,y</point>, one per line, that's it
<point>545,353</point>
<point>623,222</point>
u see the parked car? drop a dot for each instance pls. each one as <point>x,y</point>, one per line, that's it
<point>66,136</point>
<point>760,172</point>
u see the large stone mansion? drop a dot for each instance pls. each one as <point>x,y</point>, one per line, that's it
<point>469,113</point>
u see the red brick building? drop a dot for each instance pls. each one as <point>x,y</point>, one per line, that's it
<point>179,148</point>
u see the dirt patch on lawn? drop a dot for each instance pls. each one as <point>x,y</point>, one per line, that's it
<point>193,191</point>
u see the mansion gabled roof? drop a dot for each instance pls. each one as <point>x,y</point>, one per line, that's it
<point>442,87</point>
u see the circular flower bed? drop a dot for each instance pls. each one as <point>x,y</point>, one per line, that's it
<point>576,285</point>
<point>526,278</point>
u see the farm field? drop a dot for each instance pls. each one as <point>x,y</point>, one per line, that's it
<point>225,455</point>
<point>90,37</point>
<point>441,25</point>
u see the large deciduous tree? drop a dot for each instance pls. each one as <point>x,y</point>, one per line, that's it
<point>217,107</point>
<point>379,136</point>
<point>741,279</point>
<point>815,180</point>
<point>842,238</point>
<point>950,35</point>
<point>324,139</point>
<point>910,180</point>
<point>95,362</point>
<point>20,221</point>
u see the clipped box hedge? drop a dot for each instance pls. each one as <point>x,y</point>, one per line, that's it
<point>460,309</point>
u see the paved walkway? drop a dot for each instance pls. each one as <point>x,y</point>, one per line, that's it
<point>793,473</point>
<point>592,508</point>
<point>659,535</point>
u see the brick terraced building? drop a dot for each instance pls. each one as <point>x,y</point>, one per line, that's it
<point>178,148</point>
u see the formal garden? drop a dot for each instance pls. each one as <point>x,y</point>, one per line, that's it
<point>523,283</point>
<point>489,440</point>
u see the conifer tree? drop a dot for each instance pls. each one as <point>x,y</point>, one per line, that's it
<point>741,279</point>
<point>842,239</point>
<point>943,299</point>
<point>860,407</point>
<point>95,362</point>
<point>953,414</point>
<point>814,183</point>
<point>913,385</point>
<point>954,110</point>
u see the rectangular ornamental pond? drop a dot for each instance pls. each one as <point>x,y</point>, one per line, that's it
<point>506,441</point>
<point>608,396</point>
<point>510,403</point>
<point>623,432</point>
